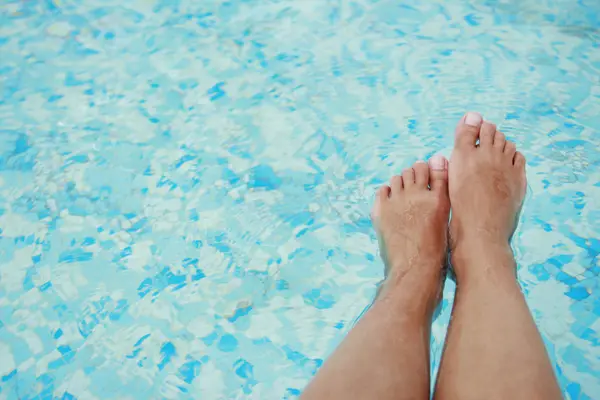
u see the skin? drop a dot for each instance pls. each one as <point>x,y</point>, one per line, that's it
<point>374,361</point>
<point>493,347</point>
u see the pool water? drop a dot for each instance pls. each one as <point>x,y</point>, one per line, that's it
<point>185,186</point>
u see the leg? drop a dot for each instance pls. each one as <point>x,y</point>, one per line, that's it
<point>386,355</point>
<point>493,348</point>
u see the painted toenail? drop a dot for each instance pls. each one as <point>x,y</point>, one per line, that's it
<point>473,119</point>
<point>438,163</point>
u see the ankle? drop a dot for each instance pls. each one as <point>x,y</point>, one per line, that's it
<point>481,246</point>
<point>414,296</point>
<point>474,235</point>
<point>484,261</point>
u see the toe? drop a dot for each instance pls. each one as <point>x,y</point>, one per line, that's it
<point>408,177</point>
<point>486,136</point>
<point>519,160</point>
<point>381,196</point>
<point>383,192</point>
<point>499,141</point>
<point>421,174</point>
<point>396,184</point>
<point>510,149</point>
<point>438,173</point>
<point>467,131</point>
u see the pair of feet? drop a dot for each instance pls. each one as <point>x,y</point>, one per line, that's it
<point>493,349</point>
<point>484,184</point>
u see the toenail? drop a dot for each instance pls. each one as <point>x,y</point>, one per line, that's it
<point>438,163</point>
<point>473,119</point>
<point>420,162</point>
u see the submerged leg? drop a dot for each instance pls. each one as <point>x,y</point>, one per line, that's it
<point>493,348</point>
<point>386,355</point>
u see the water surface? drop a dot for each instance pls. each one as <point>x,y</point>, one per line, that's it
<point>185,185</point>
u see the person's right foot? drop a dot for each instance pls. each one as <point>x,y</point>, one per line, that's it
<point>487,185</point>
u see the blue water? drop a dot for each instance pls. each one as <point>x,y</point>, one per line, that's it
<point>185,185</point>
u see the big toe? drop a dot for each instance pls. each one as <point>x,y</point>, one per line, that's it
<point>467,130</point>
<point>438,173</point>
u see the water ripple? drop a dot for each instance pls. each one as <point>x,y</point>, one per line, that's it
<point>185,186</point>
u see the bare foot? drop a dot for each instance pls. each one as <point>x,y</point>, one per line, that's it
<point>374,361</point>
<point>493,349</point>
<point>411,217</point>
<point>487,186</point>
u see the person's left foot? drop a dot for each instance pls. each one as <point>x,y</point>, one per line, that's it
<point>411,219</point>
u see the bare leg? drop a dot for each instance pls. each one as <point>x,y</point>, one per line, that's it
<point>386,355</point>
<point>493,348</point>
